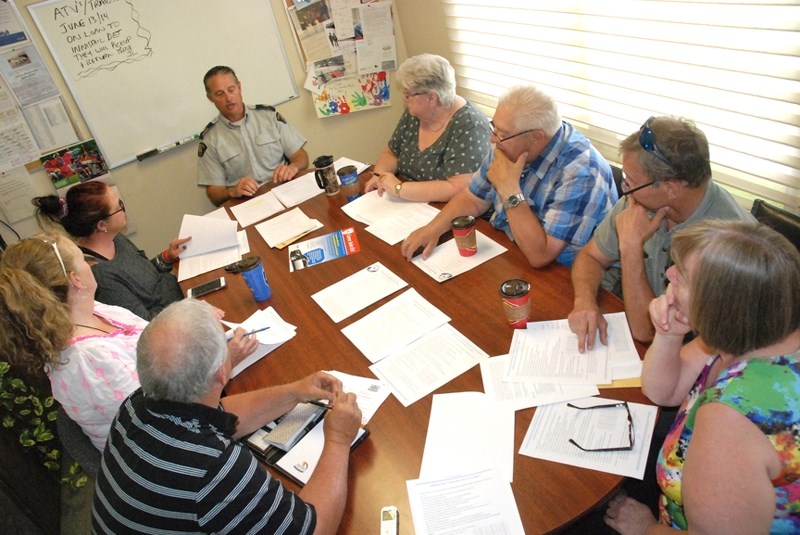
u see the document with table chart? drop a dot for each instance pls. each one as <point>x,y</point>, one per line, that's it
<point>478,502</point>
<point>394,325</point>
<point>519,395</point>
<point>445,262</point>
<point>432,361</point>
<point>554,425</point>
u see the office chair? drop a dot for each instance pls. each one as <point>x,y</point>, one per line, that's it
<point>778,219</point>
<point>77,444</point>
<point>616,172</point>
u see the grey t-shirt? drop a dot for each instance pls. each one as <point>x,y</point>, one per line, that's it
<point>717,204</point>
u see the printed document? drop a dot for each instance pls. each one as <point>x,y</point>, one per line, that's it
<point>257,208</point>
<point>298,190</point>
<point>437,358</point>
<point>282,230</point>
<point>371,208</point>
<point>547,352</point>
<point>468,432</point>
<point>445,262</point>
<point>358,291</point>
<point>196,265</point>
<point>519,395</point>
<point>477,503</point>
<point>370,393</point>
<point>394,228</point>
<point>553,425</point>
<point>208,234</point>
<point>394,325</point>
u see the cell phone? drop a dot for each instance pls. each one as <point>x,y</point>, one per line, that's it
<point>390,521</point>
<point>206,288</point>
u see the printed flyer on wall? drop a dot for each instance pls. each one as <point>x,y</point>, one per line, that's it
<point>318,250</point>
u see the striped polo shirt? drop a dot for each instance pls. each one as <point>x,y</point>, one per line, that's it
<point>174,468</point>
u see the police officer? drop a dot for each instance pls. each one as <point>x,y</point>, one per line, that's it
<point>244,146</point>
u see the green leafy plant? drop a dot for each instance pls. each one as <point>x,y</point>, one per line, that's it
<point>32,416</point>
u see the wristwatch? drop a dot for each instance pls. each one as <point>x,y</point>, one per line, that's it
<point>397,188</point>
<point>514,200</point>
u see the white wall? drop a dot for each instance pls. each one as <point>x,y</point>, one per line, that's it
<point>159,190</point>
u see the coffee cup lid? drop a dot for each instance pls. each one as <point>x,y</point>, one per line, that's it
<point>464,221</point>
<point>515,288</point>
<point>323,161</point>
<point>246,264</point>
<point>347,170</point>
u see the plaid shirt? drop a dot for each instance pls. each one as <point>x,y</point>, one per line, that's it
<point>569,187</point>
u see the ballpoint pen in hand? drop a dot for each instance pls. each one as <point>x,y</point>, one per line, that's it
<point>251,332</point>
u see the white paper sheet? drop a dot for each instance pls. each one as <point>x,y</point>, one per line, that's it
<point>370,393</point>
<point>471,504</point>
<point>625,361</point>
<point>553,425</point>
<point>371,208</point>
<point>547,352</point>
<point>281,230</point>
<point>279,332</point>
<point>468,432</point>
<point>520,395</point>
<point>298,190</point>
<point>437,358</point>
<point>395,227</point>
<point>394,325</point>
<point>208,234</point>
<point>197,265</point>
<point>358,291</point>
<point>257,208</point>
<point>444,262</point>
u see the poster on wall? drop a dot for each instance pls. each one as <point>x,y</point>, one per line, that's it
<point>347,46</point>
<point>352,94</point>
<point>75,164</point>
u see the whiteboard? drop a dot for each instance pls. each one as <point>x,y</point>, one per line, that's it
<point>135,67</point>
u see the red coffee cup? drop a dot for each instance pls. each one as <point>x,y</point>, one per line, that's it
<point>465,235</point>
<point>515,294</point>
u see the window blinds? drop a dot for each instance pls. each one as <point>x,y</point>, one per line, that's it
<point>731,66</point>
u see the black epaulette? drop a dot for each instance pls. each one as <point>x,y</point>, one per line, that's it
<point>278,116</point>
<point>208,127</point>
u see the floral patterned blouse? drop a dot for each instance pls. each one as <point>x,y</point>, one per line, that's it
<point>767,392</point>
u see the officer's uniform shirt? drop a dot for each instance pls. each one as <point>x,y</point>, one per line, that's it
<point>254,147</point>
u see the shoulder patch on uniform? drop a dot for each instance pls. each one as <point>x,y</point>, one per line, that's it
<point>201,149</point>
<point>265,107</point>
<point>280,118</point>
<point>208,127</point>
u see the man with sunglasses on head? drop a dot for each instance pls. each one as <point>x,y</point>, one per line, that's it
<point>543,183</point>
<point>667,185</point>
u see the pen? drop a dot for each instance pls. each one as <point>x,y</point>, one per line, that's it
<point>251,332</point>
<point>319,404</point>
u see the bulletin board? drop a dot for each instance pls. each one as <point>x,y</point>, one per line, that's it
<point>135,67</point>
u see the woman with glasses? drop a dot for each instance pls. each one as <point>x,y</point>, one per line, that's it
<point>441,138</point>
<point>94,215</point>
<point>731,461</point>
<point>53,325</point>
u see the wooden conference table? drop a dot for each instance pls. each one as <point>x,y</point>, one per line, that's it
<point>549,496</point>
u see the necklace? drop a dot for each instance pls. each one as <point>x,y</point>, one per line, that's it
<point>90,327</point>
<point>446,118</point>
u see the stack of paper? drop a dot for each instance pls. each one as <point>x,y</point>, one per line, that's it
<point>389,218</point>
<point>215,243</point>
<point>344,162</point>
<point>282,230</point>
<point>414,348</point>
<point>257,208</point>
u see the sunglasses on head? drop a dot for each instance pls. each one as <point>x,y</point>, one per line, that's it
<point>648,142</point>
